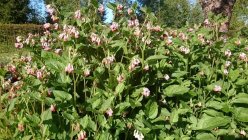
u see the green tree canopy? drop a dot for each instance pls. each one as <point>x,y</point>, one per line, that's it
<point>174,13</point>
<point>14,11</point>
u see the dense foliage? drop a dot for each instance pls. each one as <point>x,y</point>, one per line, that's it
<point>175,13</point>
<point>85,79</point>
<point>13,11</point>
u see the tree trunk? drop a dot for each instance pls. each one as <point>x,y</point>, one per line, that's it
<point>223,7</point>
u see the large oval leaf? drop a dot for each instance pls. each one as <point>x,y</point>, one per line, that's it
<point>241,98</point>
<point>151,109</point>
<point>61,95</point>
<point>209,123</point>
<point>174,90</point>
<point>241,114</point>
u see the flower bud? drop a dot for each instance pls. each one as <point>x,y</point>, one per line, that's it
<point>77,14</point>
<point>86,72</point>
<point>82,135</point>
<point>166,77</point>
<point>217,88</point>
<point>109,112</point>
<point>69,68</point>
<point>53,108</point>
<point>114,26</point>
<point>146,92</point>
<point>101,9</point>
<point>21,127</point>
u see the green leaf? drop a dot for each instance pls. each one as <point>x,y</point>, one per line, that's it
<point>102,120</point>
<point>241,114</point>
<point>155,57</point>
<point>96,103</point>
<point>179,74</point>
<point>241,98</point>
<point>213,113</point>
<point>33,118</point>
<point>111,6</point>
<point>68,116</point>
<point>35,95</point>
<point>61,95</point>
<point>214,104</point>
<point>119,88</point>
<point>241,82</point>
<point>27,137</point>
<point>205,136</point>
<point>91,124</point>
<point>209,123</point>
<point>174,90</point>
<point>137,92</point>
<point>12,104</point>
<point>174,116</point>
<point>46,115</point>
<point>151,109</point>
<point>84,121</point>
<point>121,107</point>
<point>106,104</point>
<point>233,75</point>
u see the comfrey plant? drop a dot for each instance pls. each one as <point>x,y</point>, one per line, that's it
<point>127,80</point>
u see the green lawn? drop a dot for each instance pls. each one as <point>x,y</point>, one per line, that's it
<point>8,52</point>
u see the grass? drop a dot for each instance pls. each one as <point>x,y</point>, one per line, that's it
<point>8,52</point>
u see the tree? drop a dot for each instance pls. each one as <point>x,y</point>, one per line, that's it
<point>14,11</point>
<point>223,7</point>
<point>66,5</point>
<point>174,13</point>
<point>240,14</point>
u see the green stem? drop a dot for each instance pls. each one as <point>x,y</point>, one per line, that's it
<point>74,90</point>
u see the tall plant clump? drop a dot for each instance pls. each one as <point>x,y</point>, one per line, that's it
<point>84,79</point>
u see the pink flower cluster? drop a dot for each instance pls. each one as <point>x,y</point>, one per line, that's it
<point>120,78</point>
<point>228,53</point>
<point>101,9</point>
<point>45,43</point>
<point>77,14</point>
<point>129,11</point>
<point>38,73</point>
<point>69,68</point>
<point>12,68</point>
<point>184,50</point>
<point>108,60</point>
<point>114,26</point>
<point>132,23</point>
<point>53,108</point>
<point>150,27</point>
<point>29,40</point>
<point>134,63</point>
<point>183,36</point>
<point>52,12</point>
<point>146,40</point>
<point>26,59</point>
<point>68,31</point>
<point>82,135</point>
<point>95,39</point>
<point>119,7</point>
<point>109,112</point>
<point>19,43</point>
